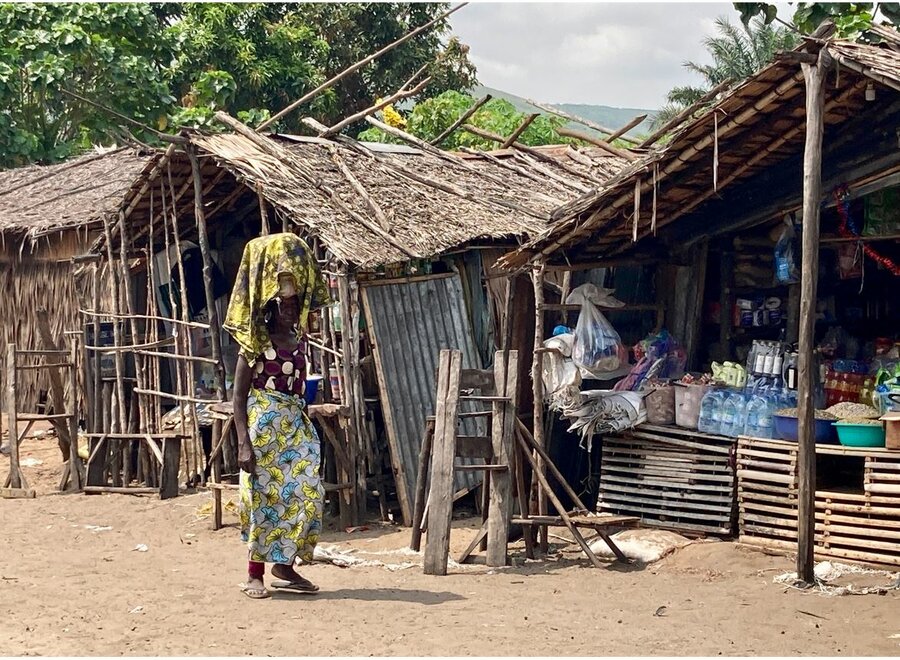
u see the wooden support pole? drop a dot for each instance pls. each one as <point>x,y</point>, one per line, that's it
<point>346,72</point>
<point>440,500</point>
<point>462,120</point>
<point>814,76</point>
<point>537,384</point>
<point>15,478</point>
<point>76,468</point>
<point>421,486</point>
<point>503,421</point>
<point>348,390</point>
<point>215,339</point>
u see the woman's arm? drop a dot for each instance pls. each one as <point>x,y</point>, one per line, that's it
<point>246,457</point>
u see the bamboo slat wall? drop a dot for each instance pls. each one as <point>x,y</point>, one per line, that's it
<point>40,278</point>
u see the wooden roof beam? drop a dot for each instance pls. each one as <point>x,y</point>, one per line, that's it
<point>678,163</point>
<point>580,120</point>
<point>462,120</point>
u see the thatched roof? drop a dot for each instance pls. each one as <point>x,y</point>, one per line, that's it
<point>419,204</point>
<point>753,127</point>
<point>38,200</point>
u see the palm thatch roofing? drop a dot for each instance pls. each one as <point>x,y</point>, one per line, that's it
<point>39,200</point>
<point>752,137</point>
<point>373,204</point>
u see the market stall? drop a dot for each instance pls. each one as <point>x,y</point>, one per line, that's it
<point>778,293</point>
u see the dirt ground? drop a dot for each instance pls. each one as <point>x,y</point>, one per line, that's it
<point>73,583</point>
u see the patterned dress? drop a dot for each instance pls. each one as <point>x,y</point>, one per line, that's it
<point>281,504</point>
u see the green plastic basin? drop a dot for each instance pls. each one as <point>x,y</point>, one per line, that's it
<point>860,435</point>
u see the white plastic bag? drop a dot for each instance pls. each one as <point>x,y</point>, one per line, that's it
<point>557,369</point>
<point>598,348</point>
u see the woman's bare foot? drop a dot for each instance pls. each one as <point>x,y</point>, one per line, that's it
<point>295,581</point>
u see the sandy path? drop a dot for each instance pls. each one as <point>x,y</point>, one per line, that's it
<point>73,584</point>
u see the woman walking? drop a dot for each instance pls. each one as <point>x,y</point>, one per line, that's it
<point>281,494</point>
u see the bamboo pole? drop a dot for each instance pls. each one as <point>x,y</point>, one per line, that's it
<point>461,120</point>
<point>814,77</point>
<point>610,210</point>
<point>445,186</point>
<point>268,147</point>
<point>603,144</point>
<point>346,72</point>
<point>348,391</point>
<point>215,339</point>
<point>352,119</point>
<point>579,120</point>
<point>487,135</point>
<point>118,420</point>
<point>98,399</point>
<point>519,130</point>
<point>684,114</point>
<point>377,211</point>
<point>619,134</point>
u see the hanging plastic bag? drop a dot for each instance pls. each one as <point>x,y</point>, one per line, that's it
<point>598,349</point>
<point>558,371</point>
<point>786,271</point>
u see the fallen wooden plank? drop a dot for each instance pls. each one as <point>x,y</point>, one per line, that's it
<point>18,493</point>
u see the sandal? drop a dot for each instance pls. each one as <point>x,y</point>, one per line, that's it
<point>302,586</point>
<point>255,592</point>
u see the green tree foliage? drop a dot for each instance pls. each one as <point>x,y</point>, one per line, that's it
<point>111,53</point>
<point>851,19</point>
<point>428,119</point>
<point>170,65</point>
<point>737,52</point>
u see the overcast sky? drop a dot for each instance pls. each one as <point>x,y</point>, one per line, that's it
<point>616,54</point>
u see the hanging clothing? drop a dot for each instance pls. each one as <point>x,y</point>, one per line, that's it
<point>264,259</point>
<point>281,503</point>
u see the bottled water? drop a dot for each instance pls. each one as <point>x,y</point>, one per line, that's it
<point>708,412</point>
<point>733,413</point>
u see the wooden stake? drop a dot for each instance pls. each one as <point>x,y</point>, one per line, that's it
<point>462,120</point>
<point>15,478</point>
<point>346,72</point>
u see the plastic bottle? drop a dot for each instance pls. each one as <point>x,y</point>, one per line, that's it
<point>708,405</point>
<point>733,415</point>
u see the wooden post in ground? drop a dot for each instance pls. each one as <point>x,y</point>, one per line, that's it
<point>814,76</point>
<point>503,421</point>
<point>537,279</point>
<point>212,313</point>
<point>348,391</point>
<point>15,475</point>
<point>440,501</point>
<point>421,486</point>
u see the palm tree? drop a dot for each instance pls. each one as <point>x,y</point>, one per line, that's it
<point>737,52</point>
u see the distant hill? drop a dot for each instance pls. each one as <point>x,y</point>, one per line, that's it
<point>601,114</point>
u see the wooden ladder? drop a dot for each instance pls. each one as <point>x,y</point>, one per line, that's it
<point>65,422</point>
<point>505,452</point>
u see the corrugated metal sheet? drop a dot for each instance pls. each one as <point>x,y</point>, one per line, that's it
<point>410,323</point>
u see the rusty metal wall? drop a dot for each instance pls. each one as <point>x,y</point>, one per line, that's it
<point>410,322</point>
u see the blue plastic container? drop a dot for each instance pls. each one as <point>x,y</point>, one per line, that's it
<point>786,429</point>
<point>312,388</point>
